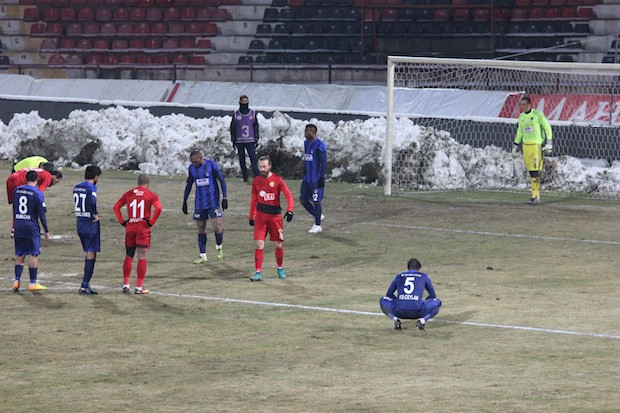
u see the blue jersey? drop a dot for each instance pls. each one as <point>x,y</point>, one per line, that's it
<point>206,178</point>
<point>85,203</point>
<point>315,160</point>
<point>28,209</point>
<point>410,286</point>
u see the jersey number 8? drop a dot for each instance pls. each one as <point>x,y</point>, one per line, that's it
<point>23,205</point>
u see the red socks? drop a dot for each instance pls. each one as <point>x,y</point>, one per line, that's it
<point>141,273</point>
<point>258,259</point>
<point>279,256</point>
<point>127,270</point>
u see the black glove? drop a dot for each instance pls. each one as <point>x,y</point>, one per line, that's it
<point>288,216</point>
<point>125,222</point>
<point>255,145</point>
<point>224,203</point>
<point>321,183</point>
<point>148,222</point>
<point>184,208</point>
<point>251,222</point>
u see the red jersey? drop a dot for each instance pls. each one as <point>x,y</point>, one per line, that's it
<point>139,202</point>
<point>266,195</point>
<point>45,178</point>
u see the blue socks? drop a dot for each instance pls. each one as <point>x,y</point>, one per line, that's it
<point>202,243</point>
<point>89,267</point>
<point>219,236</point>
<point>33,275</point>
<point>19,268</point>
<point>318,211</point>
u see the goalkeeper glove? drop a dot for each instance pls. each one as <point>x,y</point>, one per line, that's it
<point>289,216</point>
<point>224,203</point>
<point>515,149</point>
<point>321,183</point>
<point>184,208</point>
<point>251,222</point>
<point>548,148</point>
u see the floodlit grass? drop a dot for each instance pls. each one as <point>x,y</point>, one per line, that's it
<point>492,258</point>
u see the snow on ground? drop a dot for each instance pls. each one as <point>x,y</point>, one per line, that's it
<point>120,138</point>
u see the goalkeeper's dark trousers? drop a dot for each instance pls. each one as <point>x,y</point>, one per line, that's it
<point>242,148</point>
<point>428,309</point>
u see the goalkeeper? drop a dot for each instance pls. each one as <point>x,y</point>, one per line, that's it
<point>534,135</point>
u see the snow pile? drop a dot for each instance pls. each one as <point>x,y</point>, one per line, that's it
<point>119,138</point>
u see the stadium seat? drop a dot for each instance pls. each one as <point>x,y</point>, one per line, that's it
<point>406,15</point>
<point>49,44</point>
<point>153,15</point>
<point>213,3</point>
<point>256,46</point>
<point>120,44</point>
<point>109,59</point>
<point>152,43</point>
<point>176,28</point>
<point>67,14</point>
<point>109,29</point>
<point>101,44</point>
<point>391,15</point>
<point>136,43</point>
<point>501,14</point>
<point>56,60</point>
<point>608,59</point>
<point>275,44</point>
<point>220,15</point>
<point>74,60</point>
<point>93,59</point>
<point>441,15</point>
<point>204,14</point>
<point>519,14</point>
<point>74,29</point>
<point>271,15</point>
<point>585,13</point>
<point>532,27</point>
<point>481,15</point>
<point>536,13</point>
<point>540,3</point>
<point>187,43</point>
<point>187,14</point>
<point>159,28</point>
<point>264,30</point>
<point>210,29</point>
<point>462,15</point>
<point>137,14</point>
<point>31,14</point>
<point>142,28</point>
<point>193,28</point>
<point>146,3</point>
<point>124,28</point>
<point>143,60</point>
<point>121,14</point>
<point>103,15</point>
<point>557,3</point>
<point>180,60</point>
<point>53,29</point>
<point>86,14</point>
<point>553,13</point>
<point>197,60</point>
<point>204,44</point>
<point>67,43</point>
<point>51,14</point>
<point>523,3</point>
<point>197,3</point>
<point>171,13</point>
<point>582,28</point>
<point>170,44</point>
<point>84,44</point>
<point>290,15</point>
<point>126,59</point>
<point>91,29</point>
<point>245,60</point>
<point>569,13</point>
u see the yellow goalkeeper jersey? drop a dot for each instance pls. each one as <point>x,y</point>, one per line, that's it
<point>533,128</point>
<point>31,162</point>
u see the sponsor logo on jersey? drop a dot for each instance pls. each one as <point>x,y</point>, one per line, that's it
<point>202,181</point>
<point>267,196</point>
<point>138,192</point>
<point>529,129</point>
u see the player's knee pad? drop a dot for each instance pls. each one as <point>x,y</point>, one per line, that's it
<point>130,251</point>
<point>534,174</point>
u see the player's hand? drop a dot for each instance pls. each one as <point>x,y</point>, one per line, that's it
<point>148,222</point>
<point>47,236</point>
<point>288,216</point>
<point>548,148</point>
<point>224,203</point>
<point>251,222</point>
<point>96,217</point>
<point>124,223</point>
<point>184,208</point>
<point>321,183</point>
<point>515,149</point>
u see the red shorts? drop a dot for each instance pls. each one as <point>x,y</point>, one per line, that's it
<point>267,223</point>
<point>11,184</point>
<point>137,236</point>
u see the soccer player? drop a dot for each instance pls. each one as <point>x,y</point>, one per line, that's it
<point>85,202</point>
<point>206,174</point>
<point>533,131</point>
<point>244,134</point>
<point>265,215</point>
<point>139,203</point>
<point>409,287</point>
<point>33,162</point>
<point>28,210</point>
<point>313,182</point>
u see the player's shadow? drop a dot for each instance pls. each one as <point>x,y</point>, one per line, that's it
<point>102,303</point>
<point>342,240</point>
<point>453,319</point>
<point>42,301</point>
<point>158,306</point>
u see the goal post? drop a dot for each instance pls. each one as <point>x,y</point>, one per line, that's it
<point>465,112</point>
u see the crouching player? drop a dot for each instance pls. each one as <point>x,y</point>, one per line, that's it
<point>265,215</point>
<point>408,304</point>
<point>28,210</point>
<point>139,202</point>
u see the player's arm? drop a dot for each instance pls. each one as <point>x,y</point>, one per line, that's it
<point>253,202</point>
<point>545,126</point>
<point>322,166</point>
<point>42,215</point>
<point>220,178</point>
<point>157,212</point>
<point>188,187</point>
<point>92,200</point>
<point>255,125</point>
<point>393,287</point>
<point>519,136</point>
<point>233,130</point>
<point>117,209</point>
<point>428,285</point>
<point>45,180</point>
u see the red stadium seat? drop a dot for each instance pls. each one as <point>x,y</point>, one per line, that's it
<point>459,2</point>
<point>103,15</point>
<point>137,14</point>
<point>523,3</point>
<point>176,28</point>
<point>86,14</point>
<point>441,15</point>
<point>501,14</point>
<point>159,28</point>
<point>84,44</point>
<point>371,15</point>
<point>143,60</point>
<point>74,29</point>
<point>210,29</point>
<point>557,2</point>
<point>159,59</point>
<point>164,3</point>
<point>179,3</point>
<point>585,13</point>
<point>67,14</point>
<point>540,3</point>
<point>213,3</point>
<point>109,29</point>
<point>142,28</point>
<point>536,13</point>
<point>56,59</point>
<point>553,13</point>
<point>67,43</point>
<point>109,59</point>
<point>180,60</point>
<point>49,44</point>
<point>54,29</point>
<point>171,13</point>
<point>204,14</point>
<point>187,43</point>
<point>197,3</point>
<point>74,60</point>
<point>390,15</point>
<point>124,28</point>
<point>79,3</point>
<point>93,59</point>
<point>170,44</point>
<point>136,43</point>
<point>152,44</point>
<point>220,15</point>
<point>461,15</point>
<point>481,15</point>
<point>233,2</point>
<point>146,3</point>
<point>31,14</point>
<point>121,14</point>
<point>51,14</point>
<point>37,29</point>
<point>187,14</point>
<point>91,29</point>
<point>120,44</point>
<point>204,44</point>
<point>569,13</point>
<point>193,28</point>
<point>197,60</point>
<point>519,14</point>
<point>101,44</point>
<point>153,15</point>
<point>114,3</point>
<point>296,3</point>
<point>126,59</point>
<point>131,3</point>
<point>60,3</point>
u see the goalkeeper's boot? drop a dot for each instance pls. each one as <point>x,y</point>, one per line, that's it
<point>421,324</point>
<point>219,253</point>
<point>88,291</point>
<point>200,260</point>
<point>16,286</point>
<point>534,201</point>
<point>141,291</point>
<point>281,273</point>
<point>257,276</point>
<point>36,287</point>
<point>397,324</point>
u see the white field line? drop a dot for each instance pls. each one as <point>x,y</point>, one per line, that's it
<point>495,234</point>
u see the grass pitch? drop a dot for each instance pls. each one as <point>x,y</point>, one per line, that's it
<point>493,261</point>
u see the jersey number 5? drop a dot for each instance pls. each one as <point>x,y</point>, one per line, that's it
<point>135,206</point>
<point>409,285</point>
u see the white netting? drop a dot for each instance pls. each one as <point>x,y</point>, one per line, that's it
<point>467,111</point>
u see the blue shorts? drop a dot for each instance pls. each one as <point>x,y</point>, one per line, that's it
<point>91,242</point>
<point>205,214</point>
<point>310,192</point>
<point>27,246</point>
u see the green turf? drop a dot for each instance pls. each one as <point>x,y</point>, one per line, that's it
<point>492,258</point>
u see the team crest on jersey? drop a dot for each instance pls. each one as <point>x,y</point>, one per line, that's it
<point>272,184</point>
<point>238,117</point>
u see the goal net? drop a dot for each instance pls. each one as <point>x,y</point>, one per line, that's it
<point>451,124</point>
